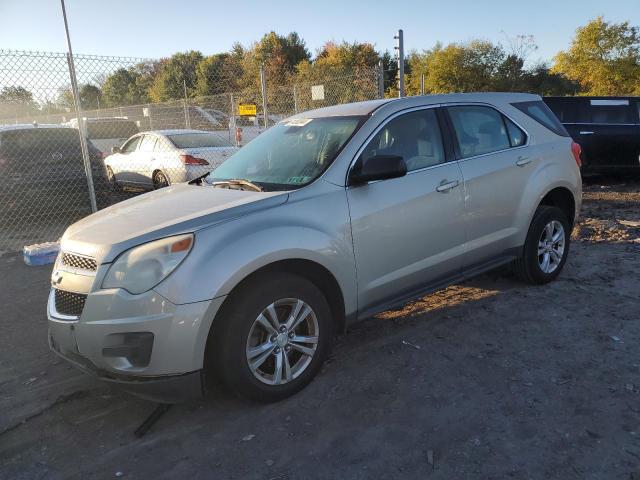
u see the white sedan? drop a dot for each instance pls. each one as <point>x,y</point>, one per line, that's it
<point>159,158</point>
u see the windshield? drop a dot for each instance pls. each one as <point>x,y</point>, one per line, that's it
<point>289,154</point>
<point>198,140</point>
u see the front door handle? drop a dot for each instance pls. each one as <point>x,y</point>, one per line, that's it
<point>522,161</point>
<point>445,187</point>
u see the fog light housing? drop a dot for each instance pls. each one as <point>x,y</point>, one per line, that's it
<point>127,350</point>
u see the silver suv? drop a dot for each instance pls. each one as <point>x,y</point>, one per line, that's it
<point>326,218</point>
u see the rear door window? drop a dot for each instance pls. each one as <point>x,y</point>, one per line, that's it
<point>478,130</point>
<point>147,144</point>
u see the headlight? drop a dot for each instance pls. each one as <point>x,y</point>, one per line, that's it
<point>142,268</point>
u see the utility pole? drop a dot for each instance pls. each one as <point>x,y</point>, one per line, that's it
<point>400,48</point>
<point>82,127</point>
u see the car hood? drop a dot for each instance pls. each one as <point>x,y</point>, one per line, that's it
<point>170,211</point>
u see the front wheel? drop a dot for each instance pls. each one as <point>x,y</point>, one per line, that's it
<point>272,337</point>
<point>546,247</point>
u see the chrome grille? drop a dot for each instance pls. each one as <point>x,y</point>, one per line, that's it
<point>78,261</point>
<point>69,303</point>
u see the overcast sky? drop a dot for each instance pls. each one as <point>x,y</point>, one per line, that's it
<point>146,28</point>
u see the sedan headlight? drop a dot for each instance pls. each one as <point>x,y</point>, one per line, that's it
<point>142,268</point>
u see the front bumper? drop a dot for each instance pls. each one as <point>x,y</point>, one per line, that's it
<point>97,342</point>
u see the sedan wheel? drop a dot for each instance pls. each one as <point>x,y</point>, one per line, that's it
<point>160,180</point>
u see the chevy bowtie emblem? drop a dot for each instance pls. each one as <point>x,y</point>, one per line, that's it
<point>56,278</point>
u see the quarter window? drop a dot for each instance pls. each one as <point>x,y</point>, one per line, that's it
<point>516,136</point>
<point>479,130</point>
<point>414,136</point>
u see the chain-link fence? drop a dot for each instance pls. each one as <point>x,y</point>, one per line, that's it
<point>146,127</point>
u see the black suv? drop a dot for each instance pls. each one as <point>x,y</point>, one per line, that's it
<point>42,171</point>
<point>607,129</point>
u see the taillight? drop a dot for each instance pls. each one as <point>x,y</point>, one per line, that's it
<point>191,160</point>
<point>576,149</point>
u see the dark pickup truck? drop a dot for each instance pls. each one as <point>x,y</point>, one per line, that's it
<point>607,129</point>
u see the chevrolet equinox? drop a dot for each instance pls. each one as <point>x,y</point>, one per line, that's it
<point>247,273</point>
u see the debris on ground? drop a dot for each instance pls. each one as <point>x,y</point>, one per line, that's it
<point>417,347</point>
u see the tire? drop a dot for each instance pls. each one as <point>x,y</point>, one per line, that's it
<point>238,335</point>
<point>160,180</point>
<point>531,266</point>
<point>113,183</point>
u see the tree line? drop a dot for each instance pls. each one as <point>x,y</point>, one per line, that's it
<point>602,59</point>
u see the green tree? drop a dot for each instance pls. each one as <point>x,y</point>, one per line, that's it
<point>90,96</point>
<point>118,87</point>
<point>65,99</point>
<point>458,67</point>
<point>280,56</point>
<point>604,58</point>
<point>176,72</point>
<point>16,101</point>
<point>212,75</point>
<point>345,69</point>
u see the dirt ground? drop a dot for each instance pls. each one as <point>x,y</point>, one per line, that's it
<point>488,379</point>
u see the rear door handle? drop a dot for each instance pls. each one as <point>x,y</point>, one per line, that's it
<point>445,187</point>
<point>522,161</point>
<point>584,132</point>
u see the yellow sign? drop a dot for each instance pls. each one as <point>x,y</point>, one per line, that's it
<point>247,109</point>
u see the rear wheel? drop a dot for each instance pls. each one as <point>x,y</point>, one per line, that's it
<point>160,180</point>
<point>546,247</point>
<point>272,337</point>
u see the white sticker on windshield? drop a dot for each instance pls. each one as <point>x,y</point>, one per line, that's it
<point>298,122</point>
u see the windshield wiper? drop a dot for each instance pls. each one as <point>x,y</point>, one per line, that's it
<point>239,182</point>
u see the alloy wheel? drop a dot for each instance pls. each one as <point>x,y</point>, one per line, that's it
<point>551,246</point>
<point>282,341</point>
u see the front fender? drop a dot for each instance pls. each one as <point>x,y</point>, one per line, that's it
<point>314,228</point>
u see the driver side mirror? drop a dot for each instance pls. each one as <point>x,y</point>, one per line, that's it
<point>379,167</point>
<point>115,149</point>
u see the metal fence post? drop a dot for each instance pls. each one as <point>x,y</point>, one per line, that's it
<point>380,79</point>
<point>187,120</point>
<point>263,87</point>
<point>422,84</point>
<point>232,119</point>
<point>82,127</point>
<point>295,99</point>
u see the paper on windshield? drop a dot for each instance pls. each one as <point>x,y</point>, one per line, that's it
<point>298,122</point>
